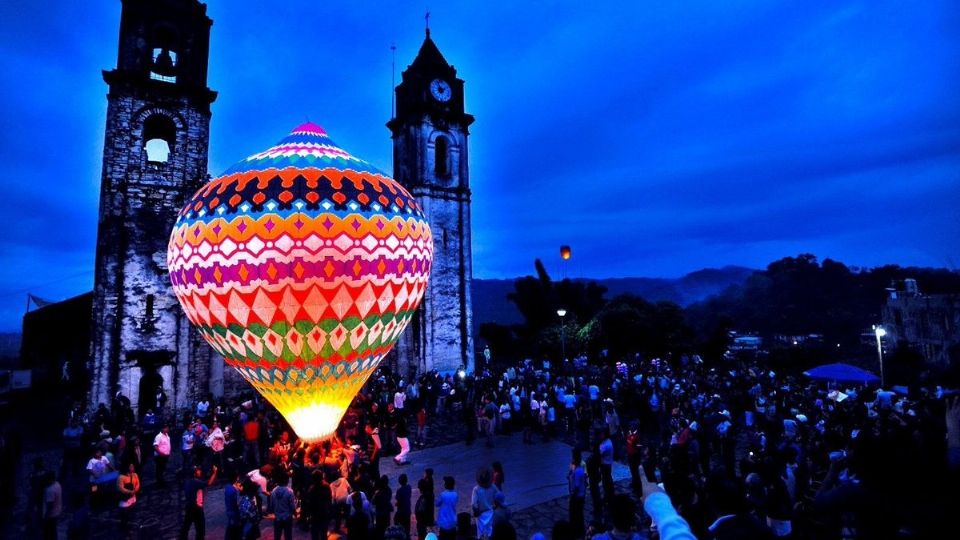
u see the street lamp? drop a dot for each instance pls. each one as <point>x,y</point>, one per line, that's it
<point>880,332</point>
<point>563,352</point>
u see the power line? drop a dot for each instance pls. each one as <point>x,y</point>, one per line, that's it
<point>37,286</point>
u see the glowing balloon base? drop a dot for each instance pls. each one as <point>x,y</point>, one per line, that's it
<point>314,423</point>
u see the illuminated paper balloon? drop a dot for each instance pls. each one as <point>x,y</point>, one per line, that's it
<point>301,266</point>
<point>565,252</point>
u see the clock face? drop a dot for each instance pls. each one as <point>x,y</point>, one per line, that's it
<point>440,90</point>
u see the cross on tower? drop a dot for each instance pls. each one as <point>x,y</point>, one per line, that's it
<point>426,21</point>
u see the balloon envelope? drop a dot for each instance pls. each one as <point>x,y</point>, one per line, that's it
<point>565,252</point>
<point>301,265</point>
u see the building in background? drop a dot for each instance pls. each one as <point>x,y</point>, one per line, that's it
<point>928,324</point>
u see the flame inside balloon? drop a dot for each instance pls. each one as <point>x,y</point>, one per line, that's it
<point>301,266</point>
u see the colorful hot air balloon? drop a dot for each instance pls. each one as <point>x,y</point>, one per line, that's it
<point>301,266</point>
<point>565,252</point>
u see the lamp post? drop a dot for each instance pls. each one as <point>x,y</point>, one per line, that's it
<point>880,332</point>
<point>563,341</point>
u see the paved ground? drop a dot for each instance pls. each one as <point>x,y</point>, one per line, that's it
<point>535,487</point>
<point>535,473</point>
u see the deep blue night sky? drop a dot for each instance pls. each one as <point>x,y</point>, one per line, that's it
<point>654,138</point>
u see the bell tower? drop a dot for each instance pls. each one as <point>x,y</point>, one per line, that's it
<point>430,129</point>
<point>154,157</point>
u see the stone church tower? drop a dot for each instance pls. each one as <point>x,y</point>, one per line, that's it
<point>430,159</point>
<point>154,157</point>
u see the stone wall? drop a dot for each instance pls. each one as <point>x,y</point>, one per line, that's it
<point>138,325</point>
<point>440,336</point>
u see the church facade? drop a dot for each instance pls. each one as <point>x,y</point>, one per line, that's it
<point>155,158</point>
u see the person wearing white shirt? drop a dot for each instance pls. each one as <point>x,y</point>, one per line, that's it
<point>98,467</point>
<point>202,407</point>
<point>216,441</point>
<point>399,399</point>
<point>161,448</point>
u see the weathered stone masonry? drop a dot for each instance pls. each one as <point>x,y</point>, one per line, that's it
<point>139,336</point>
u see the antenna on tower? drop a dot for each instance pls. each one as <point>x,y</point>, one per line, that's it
<point>393,79</point>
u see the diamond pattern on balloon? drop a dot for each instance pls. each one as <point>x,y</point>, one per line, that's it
<point>273,342</point>
<point>201,310</point>
<point>338,336</point>
<point>238,308</point>
<point>342,302</point>
<point>255,245</point>
<point>315,304</point>
<point>401,299</point>
<point>284,243</point>
<point>369,242</point>
<point>316,339</point>
<point>357,336</point>
<point>289,305</point>
<point>294,341</point>
<point>264,307</point>
<point>217,309</point>
<point>365,300</point>
<point>374,332</point>
<point>386,298</point>
<point>313,242</point>
<point>343,242</point>
<point>253,343</point>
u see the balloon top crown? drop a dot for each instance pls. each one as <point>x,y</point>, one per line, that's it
<point>306,146</point>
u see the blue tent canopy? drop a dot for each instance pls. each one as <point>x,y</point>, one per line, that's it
<point>841,373</point>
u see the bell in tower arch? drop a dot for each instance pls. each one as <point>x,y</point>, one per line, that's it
<point>165,62</point>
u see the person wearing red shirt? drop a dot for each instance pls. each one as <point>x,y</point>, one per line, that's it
<point>251,442</point>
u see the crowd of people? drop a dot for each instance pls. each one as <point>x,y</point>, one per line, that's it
<point>714,452</point>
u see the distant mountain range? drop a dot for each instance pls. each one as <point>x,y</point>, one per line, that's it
<point>490,302</point>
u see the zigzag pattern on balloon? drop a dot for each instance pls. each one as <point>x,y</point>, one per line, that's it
<point>301,266</point>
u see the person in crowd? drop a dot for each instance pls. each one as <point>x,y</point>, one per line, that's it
<point>606,465</point>
<point>193,490</point>
<point>359,522</point>
<point>251,510</point>
<point>231,506</point>
<point>403,440</point>
<point>282,505</point>
<point>187,441</point>
<point>128,485</point>
<point>251,442</point>
<point>99,469</point>
<point>340,495</point>
<point>424,509</point>
<point>577,487</point>
<point>447,509</point>
<point>498,477</point>
<point>421,439</point>
<point>52,506</point>
<point>216,441</point>
<point>593,479</point>
<point>482,502</point>
<point>404,497</point>
<point>383,505</point>
<point>318,505</point>
<point>162,449</point>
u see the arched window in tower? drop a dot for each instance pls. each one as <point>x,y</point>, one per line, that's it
<point>441,158</point>
<point>159,138</point>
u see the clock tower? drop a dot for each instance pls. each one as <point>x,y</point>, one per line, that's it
<point>430,129</point>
